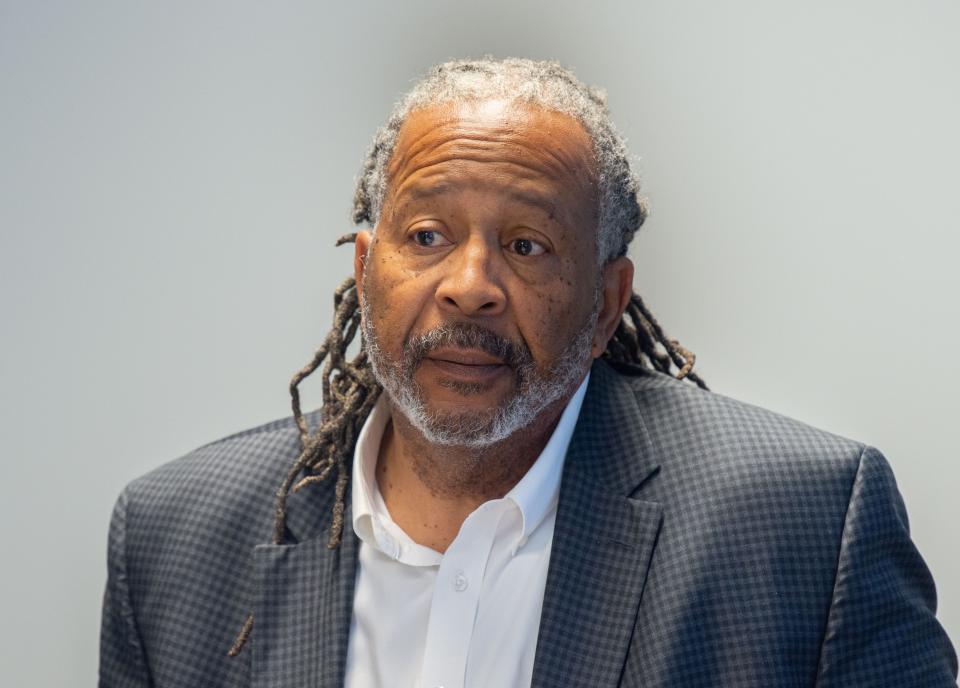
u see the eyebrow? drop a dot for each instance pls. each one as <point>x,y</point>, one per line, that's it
<point>535,200</point>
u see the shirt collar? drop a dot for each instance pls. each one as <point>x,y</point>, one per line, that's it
<point>371,520</point>
<point>535,494</point>
<point>538,490</point>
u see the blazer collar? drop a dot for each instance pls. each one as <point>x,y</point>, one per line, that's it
<point>303,601</point>
<point>602,544</point>
<point>611,445</point>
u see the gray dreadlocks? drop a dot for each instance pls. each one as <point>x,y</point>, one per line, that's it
<point>350,389</point>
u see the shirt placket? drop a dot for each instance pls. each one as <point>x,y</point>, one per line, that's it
<point>456,595</point>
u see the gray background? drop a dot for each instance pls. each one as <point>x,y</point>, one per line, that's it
<point>173,176</point>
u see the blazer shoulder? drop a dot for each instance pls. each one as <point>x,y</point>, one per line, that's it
<point>234,462</point>
<point>686,421</point>
<point>228,481</point>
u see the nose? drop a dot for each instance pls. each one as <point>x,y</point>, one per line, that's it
<point>471,285</point>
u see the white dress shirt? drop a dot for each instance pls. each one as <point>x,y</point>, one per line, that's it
<point>468,618</point>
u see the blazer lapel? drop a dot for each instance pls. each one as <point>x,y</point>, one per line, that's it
<point>304,598</point>
<point>602,544</point>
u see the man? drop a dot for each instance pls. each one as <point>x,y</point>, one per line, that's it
<point>535,499</point>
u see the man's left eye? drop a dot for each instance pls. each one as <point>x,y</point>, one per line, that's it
<point>527,247</point>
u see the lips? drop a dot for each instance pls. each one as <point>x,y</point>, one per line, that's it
<point>468,365</point>
<point>464,357</point>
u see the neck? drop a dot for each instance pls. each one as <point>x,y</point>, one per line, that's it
<point>430,489</point>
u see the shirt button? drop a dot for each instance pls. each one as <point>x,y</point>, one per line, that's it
<point>460,582</point>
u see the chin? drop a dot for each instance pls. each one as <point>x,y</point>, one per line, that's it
<point>443,394</point>
<point>468,420</point>
<point>468,429</point>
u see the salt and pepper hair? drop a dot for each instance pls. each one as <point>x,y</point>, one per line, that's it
<point>543,84</point>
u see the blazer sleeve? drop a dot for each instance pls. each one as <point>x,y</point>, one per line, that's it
<point>122,659</point>
<point>881,627</point>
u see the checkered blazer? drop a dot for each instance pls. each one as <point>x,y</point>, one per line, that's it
<point>699,541</point>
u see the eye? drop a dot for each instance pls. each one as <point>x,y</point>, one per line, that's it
<point>527,247</point>
<point>429,238</point>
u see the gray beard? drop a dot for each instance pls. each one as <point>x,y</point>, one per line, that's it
<point>534,391</point>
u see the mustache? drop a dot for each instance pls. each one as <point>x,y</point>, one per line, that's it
<point>465,335</point>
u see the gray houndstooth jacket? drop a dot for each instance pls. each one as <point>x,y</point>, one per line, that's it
<point>699,541</point>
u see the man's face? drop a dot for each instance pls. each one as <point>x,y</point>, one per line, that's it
<point>481,286</point>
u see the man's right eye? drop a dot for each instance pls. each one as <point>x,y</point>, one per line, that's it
<point>425,237</point>
<point>429,237</point>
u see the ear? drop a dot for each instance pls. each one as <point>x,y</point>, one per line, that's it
<point>360,248</point>
<point>617,287</point>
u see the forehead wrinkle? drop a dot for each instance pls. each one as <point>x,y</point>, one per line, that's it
<point>451,164</point>
<point>579,154</point>
<point>517,136</point>
<point>450,169</point>
<point>418,191</point>
<point>440,131</point>
<point>508,150</point>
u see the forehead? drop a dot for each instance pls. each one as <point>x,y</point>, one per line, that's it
<point>523,141</point>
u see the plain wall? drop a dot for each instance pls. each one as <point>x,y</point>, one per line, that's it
<point>173,176</point>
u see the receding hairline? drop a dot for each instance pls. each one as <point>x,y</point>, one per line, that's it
<point>579,162</point>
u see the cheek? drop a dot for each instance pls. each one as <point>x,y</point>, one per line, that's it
<point>394,295</point>
<point>553,316</point>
